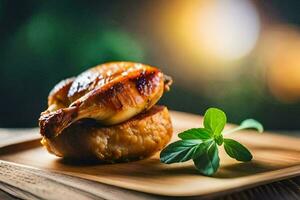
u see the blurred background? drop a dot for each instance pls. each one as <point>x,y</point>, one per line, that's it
<point>242,56</point>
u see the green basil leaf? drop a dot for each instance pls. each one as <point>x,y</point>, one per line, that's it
<point>248,123</point>
<point>206,158</point>
<point>201,144</point>
<point>196,133</point>
<point>215,120</point>
<point>236,150</point>
<point>252,123</point>
<point>179,151</point>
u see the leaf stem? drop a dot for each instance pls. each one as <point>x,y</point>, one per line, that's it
<point>232,130</point>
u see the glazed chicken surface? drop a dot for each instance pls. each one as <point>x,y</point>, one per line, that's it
<point>110,93</point>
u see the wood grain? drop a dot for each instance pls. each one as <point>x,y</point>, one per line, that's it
<point>275,157</point>
<point>30,183</point>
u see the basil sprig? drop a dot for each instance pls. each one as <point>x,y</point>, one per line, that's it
<point>201,144</point>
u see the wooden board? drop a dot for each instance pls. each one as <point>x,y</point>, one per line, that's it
<point>275,157</point>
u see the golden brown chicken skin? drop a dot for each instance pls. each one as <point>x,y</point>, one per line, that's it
<point>58,96</point>
<point>110,93</point>
<point>137,138</point>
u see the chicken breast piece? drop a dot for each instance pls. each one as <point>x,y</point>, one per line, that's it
<point>137,138</point>
<point>110,93</point>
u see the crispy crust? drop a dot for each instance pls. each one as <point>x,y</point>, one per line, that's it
<point>137,138</point>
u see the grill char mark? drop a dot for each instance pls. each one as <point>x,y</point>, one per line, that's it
<point>128,88</point>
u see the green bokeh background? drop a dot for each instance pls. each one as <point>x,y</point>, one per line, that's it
<point>43,42</point>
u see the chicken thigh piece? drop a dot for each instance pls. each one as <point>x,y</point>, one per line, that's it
<point>110,93</point>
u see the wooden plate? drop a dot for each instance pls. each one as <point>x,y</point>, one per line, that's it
<point>275,157</point>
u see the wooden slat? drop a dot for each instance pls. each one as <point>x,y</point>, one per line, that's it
<point>15,136</point>
<point>282,190</point>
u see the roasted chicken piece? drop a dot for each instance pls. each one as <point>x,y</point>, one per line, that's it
<point>110,93</point>
<point>107,113</point>
<point>137,138</point>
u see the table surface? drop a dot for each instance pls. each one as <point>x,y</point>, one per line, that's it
<point>281,190</point>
